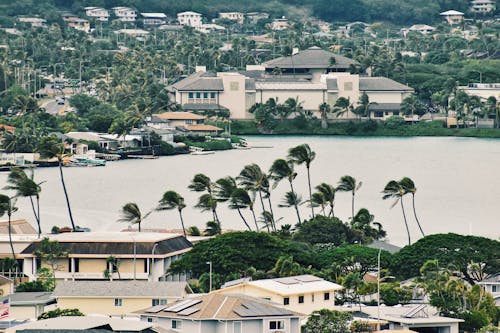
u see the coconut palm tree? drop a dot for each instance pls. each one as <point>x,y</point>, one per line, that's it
<point>173,200</point>
<point>132,214</point>
<point>52,147</point>
<point>213,228</point>
<point>324,109</point>
<point>348,184</point>
<point>26,187</point>
<point>8,206</point>
<point>253,179</point>
<point>202,183</point>
<point>224,187</point>
<point>409,188</point>
<point>240,199</point>
<point>303,154</point>
<point>318,200</point>
<point>394,190</point>
<point>282,169</point>
<point>328,193</point>
<point>291,199</point>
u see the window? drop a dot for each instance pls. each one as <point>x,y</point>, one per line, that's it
<point>205,95</point>
<point>326,296</point>
<point>378,114</point>
<point>150,319</point>
<point>157,301</point>
<point>190,95</point>
<point>493,289</point>
<point>395,113</point>
<point>237,327</point>
<point>277,325</point>
<point>286,301</point>
<point>198,95</point>
<point>212,95</point>
<point>312,298</point>
<point>118,302</point>
<point>176,324</point>
<point>301,299</point>
<point>234,86</point>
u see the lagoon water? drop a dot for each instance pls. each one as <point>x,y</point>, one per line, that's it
<point>457,181</point>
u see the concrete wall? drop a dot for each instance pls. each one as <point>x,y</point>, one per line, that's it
<point>234,96</point>
<point>311,99</point>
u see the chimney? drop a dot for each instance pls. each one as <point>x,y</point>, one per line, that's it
<point>295,50</point>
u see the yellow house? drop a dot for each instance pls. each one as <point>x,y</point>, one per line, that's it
<point>117,298</point>
<point>110,256</point>
<point>302,293</point>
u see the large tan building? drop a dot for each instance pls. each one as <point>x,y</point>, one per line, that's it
<point>313,76</point>
<point>138,256</point>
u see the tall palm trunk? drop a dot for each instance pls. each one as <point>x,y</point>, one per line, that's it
<point>182,222</point>
<point>331,213</point>
<point>310,190</point>
<point>139,226</point>
<point>254,218</point>
<point>9,215</point>
<point>295,205</point>
<point>406,222</point>
<point>67,198</point>
<point>36,214</point>
<point>271,210</point>
<point>352,205</point>
<point>415,213</point>
<point>244,220</point>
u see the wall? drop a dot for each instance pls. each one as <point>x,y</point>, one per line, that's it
<point>107,305</point>
<point>387,96</point>
<point>311,99</point>
<point>233,97</point>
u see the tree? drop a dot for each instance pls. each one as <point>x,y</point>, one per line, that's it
<point>324,110</point>
<point>26,187</point>
<point>173,200</point>
<point>362,230</point>
<point>328,321</point>
<point>51,147</point>
<point>412,106</point>
<point>393,189</point>
<point>132,214</point>
<point>327,191</point>
<point>364,106</point>
<point>60,313</point>
<point>322,229</point>
<point>409,188</point>
<point>342,105</point>
<point>240,199</point>
<point>202,183</point>
<point>50,251</point>
<point>303,154</point>
<point>282,169</point>
<point>349,184</point>
<point>8,206</point>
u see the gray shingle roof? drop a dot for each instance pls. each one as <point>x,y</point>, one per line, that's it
<point>31,298</point>
<point>249,84</point>
<point>199,81</point>
<point>381,84</point>
<point>313,57</point>
<point>120,289</point>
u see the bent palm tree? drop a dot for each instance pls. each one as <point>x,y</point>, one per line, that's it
<point>303,154</point>
<point>282,169</point>
<point>132,214</point>
<point>348,184</point>
<point>409,187</point>
<point>7,206</point>
<point>51,147</point>
<point>26,187</point>
<point>328,193</point>
<point>240,199</point>
<point>202,183</point>
<point>394,190</point>
<point>173,200</point>
<point>291,199</point>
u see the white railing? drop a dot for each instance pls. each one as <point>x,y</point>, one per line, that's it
<point>100,275</point>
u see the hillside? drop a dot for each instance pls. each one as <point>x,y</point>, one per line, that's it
<point>395,11</point>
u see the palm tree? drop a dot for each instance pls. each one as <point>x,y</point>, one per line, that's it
<point>213,228</point>
<point>8,206</point>
<point>173,200</point>
<point>26,187</point>
<point>291,199</point>
<point>318,200</point>
<point>282,169</point>
<point>132,214</point>
<point>303,154</point>
<point>409,187</point>
<point>240,199</point>
<point>394,190</point>
<point>202,183</point>
<point>324,109</point>
<point>348,183</point>
<point>342,105</point>
<point>51,147</point>
<point>327,191</point>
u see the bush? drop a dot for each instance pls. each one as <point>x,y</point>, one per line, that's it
<point>60,313</point>
<point>166,149</point>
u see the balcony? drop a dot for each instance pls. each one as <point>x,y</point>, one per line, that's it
<point>100,276</point>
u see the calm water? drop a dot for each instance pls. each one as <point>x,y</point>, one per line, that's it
<point>457,180</point>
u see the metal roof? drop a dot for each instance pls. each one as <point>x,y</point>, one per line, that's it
<point>381,84</point>
<point>31,298</point>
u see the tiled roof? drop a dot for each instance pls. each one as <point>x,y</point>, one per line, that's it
<point>7,127</point>
<point>26,298</point>
<point>203,128</point>
<point>313,57</point>
<point>381,84</point>
<point>84,323</point>
<point>178,116</point>
<point>120,289</point>
<point>20,227</point>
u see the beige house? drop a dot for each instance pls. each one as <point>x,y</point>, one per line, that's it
<point>190,19</point>
<point>117,298</point>
<point>302,293</point>
<point>313,76</point>
<point>78,24</point>
<point>187,121</point>
<point>215,313</point>
<point>125,14</point>
<point>35,22</point>
<point>234,16</point>
<point>29,305</point>
<point>482,90</point>
<point>136,256</point>
<point>453,17</point>
<point>483,6</point>
<point>97,13</point>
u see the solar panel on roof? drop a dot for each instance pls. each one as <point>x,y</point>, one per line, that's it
<point>287,280</point>
<point>254,309</point>
<point>182,305</point>
<point>307,278</point>
<point>156,309</point>
<point>188,312</point>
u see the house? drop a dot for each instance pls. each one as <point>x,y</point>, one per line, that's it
<point>218,313</point>
<point>233,16</point>
<point>190,19</point>
<point>280,24</point>
<point>35,22</point>
<point>453,17</point>
<point>210,27</point>
<point>153,20</point>
<point>140,256</point>
<point>482,90</point>
<point>135,33</point>
<point>89,324</point>
<point>29,305</point>
<point>117,298</point>
<point>483,6</point>
<point>492,285</point>
<point>187,121</point>
<point>413,317</point>
<point>78,24</point>
<point>254,17</point>
<point>125,14</point>
<point>97,13</point>
<point>104,143</point>
<point>302,293</point>
<point>424,29</point>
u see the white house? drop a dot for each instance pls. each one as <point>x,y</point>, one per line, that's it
<point>492,285</point>
<point>302,293</point>
<point>453,17</point>
<point>190,19</point>
<point>216,313</point>
<point>97,13</point>
<point>125,14</point>
<point>280,24</point>
<point>483,6</point>
<point>153,19</point>
<point>234,16</point>
<point>482,90</point>
<point>35,22</point>
<point>424,29</point>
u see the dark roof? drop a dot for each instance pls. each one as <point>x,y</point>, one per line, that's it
<point>381,84</point>
<point>313,57</point>
<point>125,247</point>
<point>385,107</point>
<point>199,81</point>
<point>249,84</point>
<point>31,298</point>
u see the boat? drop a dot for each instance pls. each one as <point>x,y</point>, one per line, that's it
<point>199,151</point>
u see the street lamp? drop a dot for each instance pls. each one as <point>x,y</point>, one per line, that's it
<point>378,289</point>
<point>210,276</point>
<point>153,262</point>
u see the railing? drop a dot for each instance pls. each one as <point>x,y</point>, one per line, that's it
<point>100,275</point>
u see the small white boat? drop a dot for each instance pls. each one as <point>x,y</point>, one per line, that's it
<point>200,151</point>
